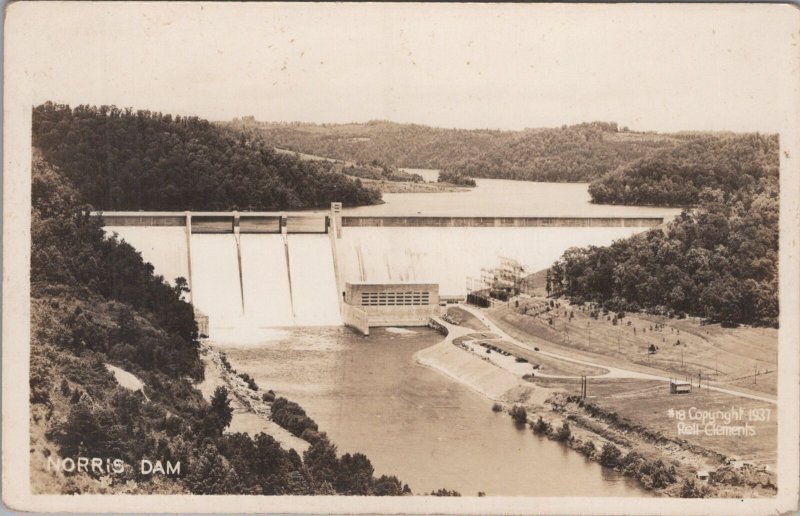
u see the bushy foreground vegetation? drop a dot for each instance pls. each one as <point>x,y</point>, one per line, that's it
<point>120,159</point>
<point>718,261</point>
<point>94,302</point>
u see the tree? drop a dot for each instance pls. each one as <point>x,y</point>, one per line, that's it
<point>519,414</point>
<point>321,461</point>
<point>210,473</point>
<point>354,475</point>
<point>221,412</point>
<point>388,486</point>
<point>610,455</point>
<point>689,489</point>
<point>564,433</point>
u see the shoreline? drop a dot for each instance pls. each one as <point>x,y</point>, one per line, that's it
<point>662,466</point>
<point>251,414</point>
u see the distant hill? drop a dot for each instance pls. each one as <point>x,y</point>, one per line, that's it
<point>683,174</point>
<point>575,153</point>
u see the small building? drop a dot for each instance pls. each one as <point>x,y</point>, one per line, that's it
<point>702,475</point>
<point>367,305</point>
<point>679,387</point>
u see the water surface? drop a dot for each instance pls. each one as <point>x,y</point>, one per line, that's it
<point>504,198</point>
<point>413,422</point>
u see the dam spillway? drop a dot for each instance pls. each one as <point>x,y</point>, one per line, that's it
<point>216,287</point>
<point>266,270</point>
<point>314,290</point>
<point>267,296</point>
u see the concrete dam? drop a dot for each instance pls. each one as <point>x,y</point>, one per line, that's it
<point>255,270</point>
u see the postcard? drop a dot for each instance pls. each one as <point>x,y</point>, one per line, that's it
<point>401,258</point>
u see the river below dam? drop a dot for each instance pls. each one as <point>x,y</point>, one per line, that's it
<point>370,396</point>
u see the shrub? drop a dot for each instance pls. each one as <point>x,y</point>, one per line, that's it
<point>445,492</point>
<point>610,455</point>
<point>268,397</point>
<point>519,414</point>
<point>292,417</point>
<point>249,381</point>
<point>588,449</point>
<point>689,489</point>
<point>497,407</point>
<point>65,391</point>
<point>541,426</point>
<point>630,463</point>
<point>564,433</point>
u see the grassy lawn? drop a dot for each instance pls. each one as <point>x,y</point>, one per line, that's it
<point>466,319</point>
<point>686,348</point>
<point>649,402</point>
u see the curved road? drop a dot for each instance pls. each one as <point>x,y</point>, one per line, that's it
<point>613,372</point>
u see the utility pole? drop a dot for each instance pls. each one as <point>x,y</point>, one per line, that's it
<point>584,383</point>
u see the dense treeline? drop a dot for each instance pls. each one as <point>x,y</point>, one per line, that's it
<point>120,159</point>
<point>718,261</point>
<point>678,175</point>
<point>455,178</point>
<point>378,172</point>
<point>581,152</point>
<point>396,145</point>
<point>570,154</point>
<point>94,302</point>
<point>89,278</point>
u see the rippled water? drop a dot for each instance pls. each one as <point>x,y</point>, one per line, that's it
<point>413,422</point>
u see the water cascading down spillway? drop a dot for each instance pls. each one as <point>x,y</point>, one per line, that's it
<point>217,288</point>
<point>272,279</point>
<point>266,286</point>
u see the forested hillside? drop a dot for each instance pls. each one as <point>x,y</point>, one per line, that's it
<point>571,153</point>
<point>576,153</point>
<point>718,261</point>
<point>677,176</point>
<point>95,303</point>
<point>139,160</point>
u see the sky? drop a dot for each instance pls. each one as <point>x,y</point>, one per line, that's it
<point>650,67</point>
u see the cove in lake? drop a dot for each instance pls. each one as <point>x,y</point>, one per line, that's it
<point>370,396</point>
<point>504,198</point>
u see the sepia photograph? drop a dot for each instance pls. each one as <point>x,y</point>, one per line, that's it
<point>401,258</point>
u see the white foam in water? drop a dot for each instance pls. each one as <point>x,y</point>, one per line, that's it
<point>215,278</point>
<point>313,281</point>
<point>448,256</point>
<point>267,302</point>
<point>163,246</point>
